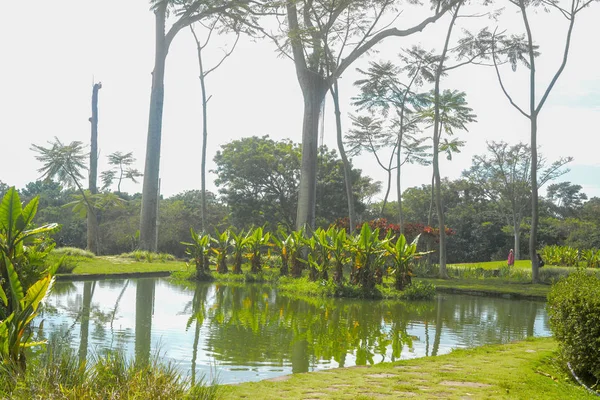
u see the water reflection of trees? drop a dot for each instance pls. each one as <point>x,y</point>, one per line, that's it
<point>254,326</point>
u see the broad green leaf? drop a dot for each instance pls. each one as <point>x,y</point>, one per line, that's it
<point>36,293</point>
<point>3,296</point>
<point>13,279</point>
<point>33,344</point>
<point>10,209</point>
<point>29,213</point>
<point>39,230</point>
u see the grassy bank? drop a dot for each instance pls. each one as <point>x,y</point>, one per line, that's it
<point>522,370</point>
<point>115,265</point>
<point>490,287</point>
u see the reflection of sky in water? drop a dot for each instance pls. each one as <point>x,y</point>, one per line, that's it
<point>473,321</point>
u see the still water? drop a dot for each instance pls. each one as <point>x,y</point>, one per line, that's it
<point>251,333</point>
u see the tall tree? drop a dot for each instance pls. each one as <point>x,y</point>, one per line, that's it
<point>323,38</point>
<point>121,163</point>
<point>258,178</point>
<point>92,218</point>
<point>470,49</point>
<point>504,173</point>
<point>203,74</point>
<point>522,49</point>
<point>65,162</point>
<point>567,198</point>
<point>183,13</point>
<point>335,94</point>
<point>382,89</point>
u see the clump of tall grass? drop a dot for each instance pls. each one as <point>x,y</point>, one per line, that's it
<point>148,256</point>
<point>73,251</point>
<point>59,374</point>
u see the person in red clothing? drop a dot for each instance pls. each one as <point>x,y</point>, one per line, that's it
<point>511,258</point>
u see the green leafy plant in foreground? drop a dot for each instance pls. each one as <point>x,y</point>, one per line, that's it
<point>574,310</point>
<point>20,300</point>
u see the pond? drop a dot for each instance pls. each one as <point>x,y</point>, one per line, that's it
<point>249,333</point>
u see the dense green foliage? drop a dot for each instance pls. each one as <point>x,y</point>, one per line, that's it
<point>25,281</point>
<point>367,255</point>
<point>258,178</point>
<point>574,309</point>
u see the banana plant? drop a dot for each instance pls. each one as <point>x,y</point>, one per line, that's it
<point>283,240</point>
<point>16,238</point>
<point>238,246</point>
<point>322,252</point>
<point>15,332</point>
<point>220,246</point>
<point>591,258</point>
<point>367,252</point>
<point>198,249</point>
<point>255,242</point>
<point>311,258</point>
<point>337,245</point>
<point>295,247</point>
<point>402,255</point>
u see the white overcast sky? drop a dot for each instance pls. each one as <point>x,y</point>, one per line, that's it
<point>52,52</point>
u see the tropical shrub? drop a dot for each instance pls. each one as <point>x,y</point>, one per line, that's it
<point>19,298</point>
<point>220,246</point>
<point>238,246</point>
<point>73,251</point>
<point>402,255</point>
<point>198,249</point>
<point>367,250</point>
<point>419,290</point>
<point>574,310</point>
<point>256,240</point>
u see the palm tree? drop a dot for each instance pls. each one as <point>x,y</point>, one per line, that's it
<point>65,162</point>
<point>122,162</point>
<point>448,114</point>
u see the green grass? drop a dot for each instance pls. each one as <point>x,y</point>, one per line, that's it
<point>103,265</point>
<point>524,264</point>
<point>491,286</point>
<point>522,370</point>
<point>58,374</point>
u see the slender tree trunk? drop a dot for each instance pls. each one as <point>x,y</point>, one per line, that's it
<point>148,218</point>
<point>517,232</point>
<point>92,217</point>
<point>398,185</point>
<point>347,176</point>
<point>534,157</point>
<point>314,89</point>
<point>535,268</point>
<point>202,77</point>
<point>436,146</point>
<point>387,192</point>
<point>428,244</point>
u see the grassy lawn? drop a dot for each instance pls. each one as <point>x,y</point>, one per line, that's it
<point>115,265</point>
<point>492,286</point>
<point>522,264</point>
<point>522,370</point>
